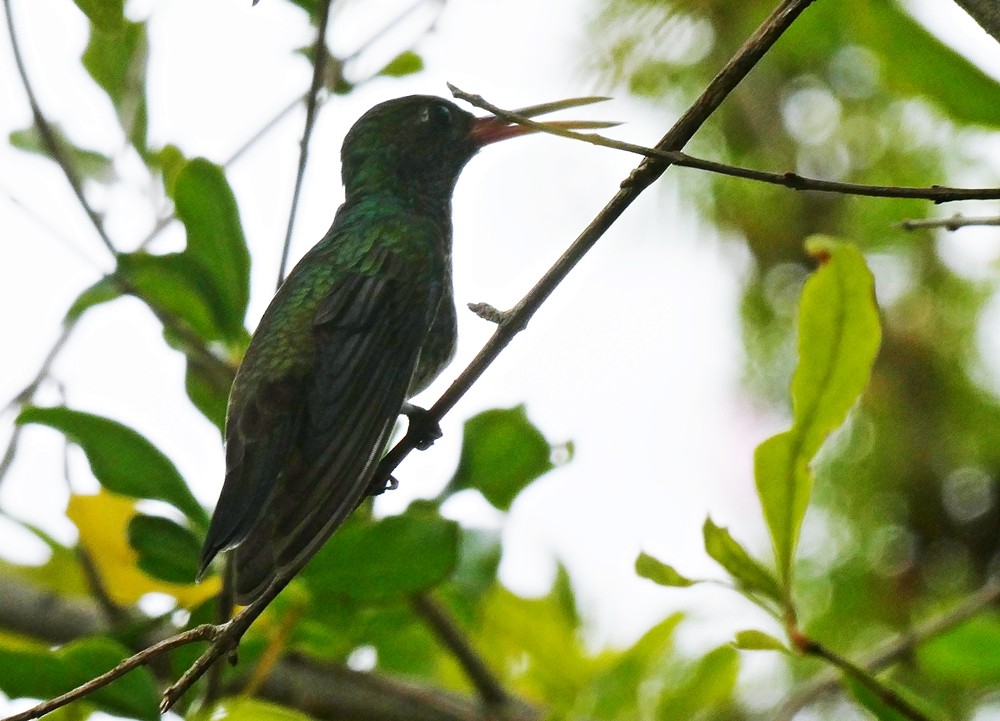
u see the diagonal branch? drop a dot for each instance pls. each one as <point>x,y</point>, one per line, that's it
<point>651,168</point>
<point>852,671</point>
<point>897,649</point>
<point>324,691</point>
<point>319,62</point>
<point>204,632</point>
<point>491,691</point>
<point>49,137</point>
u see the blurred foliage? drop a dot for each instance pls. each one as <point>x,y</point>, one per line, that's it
<point>903,494</point>
<point>906,494</point>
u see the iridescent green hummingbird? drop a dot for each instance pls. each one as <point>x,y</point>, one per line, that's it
<point>363,322</point>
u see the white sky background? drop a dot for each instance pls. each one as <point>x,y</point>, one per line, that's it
<point>636,357</point>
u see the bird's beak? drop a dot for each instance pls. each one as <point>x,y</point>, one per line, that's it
<point>492,129</point>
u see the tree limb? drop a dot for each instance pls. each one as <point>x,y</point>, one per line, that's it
<point>487,684</point>
<point>325,691</point>
<point>651,168</point>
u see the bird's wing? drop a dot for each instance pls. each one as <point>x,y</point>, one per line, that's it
<point>368,333</point>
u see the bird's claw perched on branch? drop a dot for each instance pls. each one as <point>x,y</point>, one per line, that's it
<point>423,429</point>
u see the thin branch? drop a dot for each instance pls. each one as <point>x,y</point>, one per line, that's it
<point>322,690</point>
<point>28,393</point>
<point>897,649</point>
<point>885,694</point>
<point>165,221</point>
<point>490,690</point>
<point>49,136</point>
<point>651,168</point>
<point>114,613</point>
<point>205,632</point>
<point>225,641</point>
<point>936,193</point>
<point>953,223</point>
<point>319,61</point>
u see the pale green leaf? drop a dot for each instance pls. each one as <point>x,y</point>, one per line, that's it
<point>754,640</point>
<point>839,336</point>
<point>655,570</point>
<point>750,575</point>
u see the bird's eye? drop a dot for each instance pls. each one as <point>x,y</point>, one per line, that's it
<point>436,116</point>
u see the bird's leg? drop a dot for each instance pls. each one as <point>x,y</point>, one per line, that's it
<point>422,428</point>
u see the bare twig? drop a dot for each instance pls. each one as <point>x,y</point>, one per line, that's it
<point>224,641</point>
<point>953,223</point>
<point>651,168</point>
<point>936,193</point>
<point>28,393</point>
<point>319,62</point>
<point>896,650</point>
<point>491,691</point>
<point>49,137</point>
<point>205,632</point>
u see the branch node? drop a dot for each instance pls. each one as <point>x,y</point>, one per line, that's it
<point>489,313</point>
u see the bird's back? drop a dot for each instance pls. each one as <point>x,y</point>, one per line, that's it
<point>322,384</point>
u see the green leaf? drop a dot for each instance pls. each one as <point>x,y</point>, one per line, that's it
<point>396,556</point>
<point>753,640</point>
<point>920,64</point>
<point>708,685</point>
<point>241,708</point>
<point>176,285</point>
<point>502,452</point>
<point>87,163</point>
<point>208,389</point>
<point>117,62</point>
<point>215,243</point>
<point>170,160</point>
<point>750,576</point>
<point>966,655</point>
<point>167,550</point>
<point>108,15</point>
<point>839,336</point>
<point>35,671</point>
<point>122,460</point>
<point>406,63</point>
<point>648,567</point>
<point>615,693</point>
<point>102,291</point>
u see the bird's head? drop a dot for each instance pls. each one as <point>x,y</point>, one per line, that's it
<point>420,143</point>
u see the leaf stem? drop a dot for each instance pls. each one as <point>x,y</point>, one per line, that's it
<point>865,678</point>
<point>897,649</point>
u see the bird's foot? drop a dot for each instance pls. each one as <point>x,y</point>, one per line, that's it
<point>422,427</point>
<point>377,486</point>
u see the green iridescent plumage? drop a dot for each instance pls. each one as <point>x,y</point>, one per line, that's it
<point>364,321</point>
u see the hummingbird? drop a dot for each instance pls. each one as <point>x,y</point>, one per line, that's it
<point>363,322</point>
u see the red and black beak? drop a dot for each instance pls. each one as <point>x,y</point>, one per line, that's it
<point>492,129</point>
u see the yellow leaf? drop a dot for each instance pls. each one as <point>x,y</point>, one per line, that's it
<point>102,520</point>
